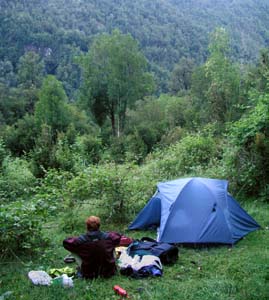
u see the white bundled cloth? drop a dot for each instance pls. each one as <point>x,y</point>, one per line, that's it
<point>137,262</point>
<point>39,278</point>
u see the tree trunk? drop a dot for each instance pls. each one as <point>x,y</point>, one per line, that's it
<point>113,122</point>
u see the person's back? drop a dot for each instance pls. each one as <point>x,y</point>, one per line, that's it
<point>96,249</point>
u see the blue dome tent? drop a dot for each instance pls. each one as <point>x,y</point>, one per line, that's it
<point>195,210</point>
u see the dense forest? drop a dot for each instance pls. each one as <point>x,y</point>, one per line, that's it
<point>166,31</point>
<point>99,100</point>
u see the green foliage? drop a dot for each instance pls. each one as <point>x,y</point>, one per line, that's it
<point>152,119</point>
<point>89,147</point>
<point>21,221</point>
<point>51,108</point>
<point>49,195</point>
<point>7,73</point>
<point>80,122</point>
<point>166,31</point>
<point>258,76</point>
<point>16,179</point>
<point>12,105</point>
<point>106,184</point>
<point>135,148</point>
<point>217,92</point>
<point>64,157</point>
<point>148,119</point>
<point>115,190</point>
<point>20,224</point>
<point>172,137</point>
<point>3,152</point>
<point>181,76</point>
<point>189,156</point>
<point>20,137</point>
<point>30,70</point>
<point>43,155</point>
<point>247,156</point>
<point>115,76</point>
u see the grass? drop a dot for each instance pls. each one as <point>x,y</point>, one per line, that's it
<point>221,273</point>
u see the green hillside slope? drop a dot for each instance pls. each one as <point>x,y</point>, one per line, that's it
<point>166,30</point>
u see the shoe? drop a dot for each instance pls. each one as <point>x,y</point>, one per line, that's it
<point>69,259</point>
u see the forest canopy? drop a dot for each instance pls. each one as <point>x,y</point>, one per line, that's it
<point>166,30</point>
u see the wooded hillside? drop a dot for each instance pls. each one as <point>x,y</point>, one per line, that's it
<point>166,30</point>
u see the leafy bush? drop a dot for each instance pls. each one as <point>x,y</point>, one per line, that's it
<point>21,221</point>
<point>135,148</point>
<point>89,147</point>
<point>3,152</point>
<point>20,227</point>
<point>49,195</point>
<point>43,155</point>
<point>20,137</point>
<point>172,137</point>
<point>192,152</point>
<point>115,188</point>
<point>246,157</point>
<point>16,180</point>
<point>153,117</point>
<point>121,190</point>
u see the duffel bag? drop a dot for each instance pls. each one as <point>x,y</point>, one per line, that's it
<point>167,253</point>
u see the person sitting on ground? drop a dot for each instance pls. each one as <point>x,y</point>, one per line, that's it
<point>95,249</point>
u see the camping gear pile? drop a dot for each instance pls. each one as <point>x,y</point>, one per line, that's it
<point>145,257</point>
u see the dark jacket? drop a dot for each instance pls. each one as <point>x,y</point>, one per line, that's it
<point>96,250</point>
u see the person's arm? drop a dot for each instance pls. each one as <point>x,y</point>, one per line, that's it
<point>114,237</point>
<point>71,244</point>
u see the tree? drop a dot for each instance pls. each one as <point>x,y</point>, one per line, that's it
<point>181,75</point>
<point>258,77</point>
<point>20,138</point>
<point>51,108</point>
<point>12,105</point>
<point>216,84</point>
<point>115,77</point>
<point>31,71</point>
<point>7,74</point>
<point>223,78</point>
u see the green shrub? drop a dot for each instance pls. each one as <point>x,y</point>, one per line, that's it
<point>3,152</point>
<point>135,148</point>
<point>148,120</point>
<point>43,155</point>
<point>89,147</point>
<point>20,137</point>
<point>64,154</point>
<point>116,149</point>
<point>172,137</point>
<point>21,221</point>
<point>49,195</point>
<point>16,180</point>
<point>20,227</point>
<point>116,189</point>
<point>195,151</point>
<point>246,157</point>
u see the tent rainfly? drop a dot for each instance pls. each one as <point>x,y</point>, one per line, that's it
<point>195,210</point>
